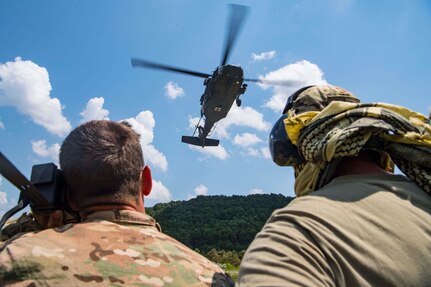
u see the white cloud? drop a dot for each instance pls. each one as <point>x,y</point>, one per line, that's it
<point>193,122</point>
<point>1,125</point>
<point>201,190</point>
<point>25,86</point>
<point>237,116</point>
<point>262,152</point>
<point>214,151</point>
<point>159,192</point>
<point>256,191</point>
<point>94,110</point>
<point>41,149</point>
<point>3,199</point>
<point>265,152</point>
<point>246,139</point>
<point>173,91</point>
<point>263,56</point>
<point>242,116</point>
<point>144,124</point>
<point>302,73</point>
<point>248,142</point>
<point>3,196</point>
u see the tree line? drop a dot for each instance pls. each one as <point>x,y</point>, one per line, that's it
<point>217,223</point>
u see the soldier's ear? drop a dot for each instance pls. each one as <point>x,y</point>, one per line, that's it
<point>146,181</point>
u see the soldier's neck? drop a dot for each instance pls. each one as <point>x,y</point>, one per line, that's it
<point>90,209</point>
<point>359,165</point>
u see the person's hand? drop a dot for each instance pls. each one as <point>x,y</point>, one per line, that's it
<point>55,219</point>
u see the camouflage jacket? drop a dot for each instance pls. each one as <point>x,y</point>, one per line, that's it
<point>110,248</point>
<point>24,223</point>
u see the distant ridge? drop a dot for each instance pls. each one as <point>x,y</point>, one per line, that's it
<point>217,222</point>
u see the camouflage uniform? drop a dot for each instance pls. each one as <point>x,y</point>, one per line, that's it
<point>110,248</point>
<point>24,223</point>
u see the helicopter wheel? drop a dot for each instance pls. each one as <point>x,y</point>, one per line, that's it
<point>238,102</point>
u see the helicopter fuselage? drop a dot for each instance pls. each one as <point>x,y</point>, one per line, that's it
<point>221,90</point>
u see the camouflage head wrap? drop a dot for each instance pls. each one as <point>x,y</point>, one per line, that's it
<point>328,123</point>
<point>316,98</point>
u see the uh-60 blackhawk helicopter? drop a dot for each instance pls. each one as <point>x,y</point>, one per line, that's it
<point>222,88</point>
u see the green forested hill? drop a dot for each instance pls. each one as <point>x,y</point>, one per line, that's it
<point>217,222</point>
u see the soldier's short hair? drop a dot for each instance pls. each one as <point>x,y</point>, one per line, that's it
<point>102,160</point>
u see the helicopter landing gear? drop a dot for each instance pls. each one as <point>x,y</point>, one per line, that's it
<point>241,91</point>
<point>238,101</point>
<point>200,130</point>
<point>243,88</point>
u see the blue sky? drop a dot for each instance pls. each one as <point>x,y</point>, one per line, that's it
<point>64,62</point>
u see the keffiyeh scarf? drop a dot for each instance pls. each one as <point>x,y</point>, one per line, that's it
<point>343,129</point>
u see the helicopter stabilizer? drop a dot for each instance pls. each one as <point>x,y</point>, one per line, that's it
<point>199,141</point>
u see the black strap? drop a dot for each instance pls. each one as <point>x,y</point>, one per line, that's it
<point>14,176</point>
<point>20,206</point>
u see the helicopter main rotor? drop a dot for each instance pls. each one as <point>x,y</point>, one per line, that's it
<point>236,20</point>
<point>237,17</point>
<point>152,65</point>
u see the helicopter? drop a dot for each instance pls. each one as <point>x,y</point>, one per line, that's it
<point>222,88</point>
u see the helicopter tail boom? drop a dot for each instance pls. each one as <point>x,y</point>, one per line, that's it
<point>199,141</point>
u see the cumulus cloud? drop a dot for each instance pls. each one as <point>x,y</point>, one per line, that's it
<point>94,110</point>
<point>3,199</point>
<point>144,124</point>
<point>25,86</point>
<point>237,116</point>
<point>42,149</point>
<point>159,193</point>
<point>213,151</point>
<point>248,143</point>
<point>256,191</point>
<point>201,190</point>
<point>173,91</point>
<point>262,152</point>
<point>246,139</point>
<point>263,56</point>
<point>3,196</point>
<point>241,116</point>
<point>302,73</point>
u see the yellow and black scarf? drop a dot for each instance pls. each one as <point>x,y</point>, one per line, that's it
<point>343,129</point>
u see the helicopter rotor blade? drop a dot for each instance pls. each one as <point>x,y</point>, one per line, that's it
<point>274,83</point>
<point>238,13</point>
<point>147,64</point>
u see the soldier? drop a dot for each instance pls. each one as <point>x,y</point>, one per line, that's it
<point>354,222</point>
<point>115,243</point>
